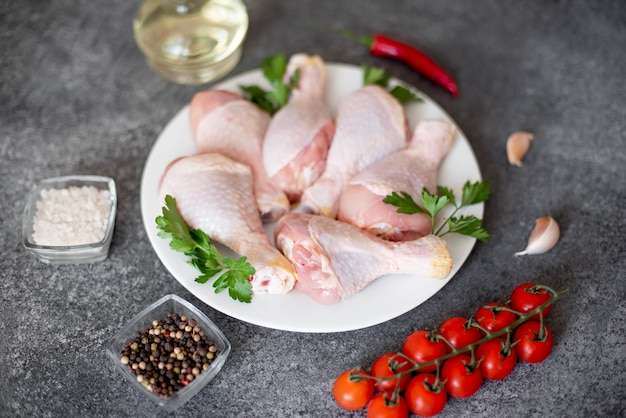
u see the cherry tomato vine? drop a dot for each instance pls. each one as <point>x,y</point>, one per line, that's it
<point>453,360</point>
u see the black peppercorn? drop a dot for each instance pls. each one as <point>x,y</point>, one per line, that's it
<point>169,355</point>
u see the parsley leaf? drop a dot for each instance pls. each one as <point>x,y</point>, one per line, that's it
<point>474,193</point>
<point>375,75</point>
<point>404,95</point>
<point>204,256</point>
<point>404,203</point>
<point>444,191</point>
<point>378,76</point>
<point>259,97</point>
<point>431,205</point>
<point>468,225</point>
<point>274,68</point>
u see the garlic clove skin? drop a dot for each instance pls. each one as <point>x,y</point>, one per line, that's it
<point>543,237</point>
<point>517,146</point>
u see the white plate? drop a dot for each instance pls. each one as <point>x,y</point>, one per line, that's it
<point>386,298</point>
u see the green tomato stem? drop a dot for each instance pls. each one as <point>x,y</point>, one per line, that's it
<point>542,329</point>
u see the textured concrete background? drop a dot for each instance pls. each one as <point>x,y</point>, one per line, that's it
<point>77,97</point>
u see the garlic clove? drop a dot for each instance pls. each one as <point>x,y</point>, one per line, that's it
<point>517,146</point>
<point>543,237</point>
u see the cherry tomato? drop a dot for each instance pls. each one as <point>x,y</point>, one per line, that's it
<point>462,379</point>
<point>531,345</point>
<point>387,365</point>
<point>493,318</point>
<point>351,392</point>
<point>382,407</point>
<point>421,346</point>
<point>458,332</point>
<point>528,296</point>
<point>424,397</point>
<point>497,359</point>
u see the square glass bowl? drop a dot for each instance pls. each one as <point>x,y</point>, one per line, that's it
<point>143,321</point>
<point>69,254</point>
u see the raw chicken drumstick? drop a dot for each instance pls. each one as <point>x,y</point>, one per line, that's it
<point>299,134</point>
<point>224,122</point>
<point>408,170</point>
<point>370,124</point>
<point>214,193</point>
<point>334,260</point>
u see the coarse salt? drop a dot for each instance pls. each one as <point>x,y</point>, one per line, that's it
<point>71,216</point>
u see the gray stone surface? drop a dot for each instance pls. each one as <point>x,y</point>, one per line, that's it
<point>77,97</point>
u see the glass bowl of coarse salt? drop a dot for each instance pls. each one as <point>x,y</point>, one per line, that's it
<point>70,219</point>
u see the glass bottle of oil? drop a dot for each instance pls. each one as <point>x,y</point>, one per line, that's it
<point>191,41</point>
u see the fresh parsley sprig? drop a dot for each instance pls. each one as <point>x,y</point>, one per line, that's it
<point>204,256</point>
<point>378,76</point>
<point>469,225</point>
<point>273,68</point>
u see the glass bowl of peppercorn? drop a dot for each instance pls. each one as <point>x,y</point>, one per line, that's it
<point>169,351</point>
<point>70,219</point>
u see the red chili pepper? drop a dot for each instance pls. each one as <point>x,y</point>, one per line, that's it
<point>383,46</point>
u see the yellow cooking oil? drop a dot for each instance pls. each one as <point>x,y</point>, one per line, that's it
<point>191,41</point>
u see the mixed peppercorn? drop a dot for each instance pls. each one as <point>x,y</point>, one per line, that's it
<point>169,355</point>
